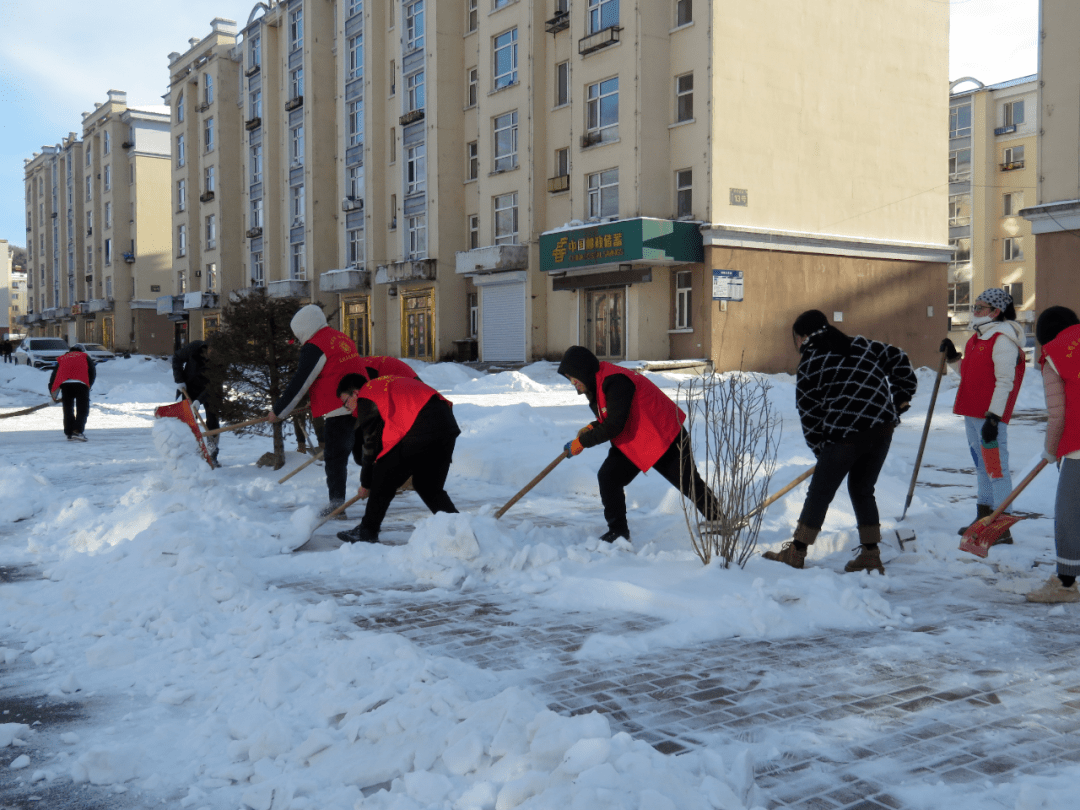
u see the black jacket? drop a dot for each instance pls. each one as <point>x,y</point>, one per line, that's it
<point>581,364</point>
<point>189,367</point>
<point>435,422</point>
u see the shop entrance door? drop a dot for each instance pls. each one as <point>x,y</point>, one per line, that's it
<point>605,323</point>
<point>418,325</point>
<point>358,325</point>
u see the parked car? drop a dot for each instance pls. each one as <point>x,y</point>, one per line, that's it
<point>40,352</point>
<point>97,352</point>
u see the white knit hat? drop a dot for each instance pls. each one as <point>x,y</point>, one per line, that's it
<point>307,321</point>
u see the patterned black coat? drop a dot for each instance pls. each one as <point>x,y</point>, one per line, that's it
<point>840,395</point>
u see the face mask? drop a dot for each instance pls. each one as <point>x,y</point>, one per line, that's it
<point>979,320</point>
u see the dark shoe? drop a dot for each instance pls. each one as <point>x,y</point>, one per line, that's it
<point>358,534</point>
<point>1006,539</point>
<point>788,554</point>
<point>868,559</point>
<point>982,510</point>
<point>78,437</point>
<point>612,535</point>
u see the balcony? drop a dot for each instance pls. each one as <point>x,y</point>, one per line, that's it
<point>601,39</point>
<point>207,197</point>
<point>251,71</point>
<point>411,116</point>
<point>492,259</point>
<point>560,182</point>
<point>199,300</point>
<point>129,258</point>
<point>352,204</point>
<point>253,123</point>
<point>349,279</point>
<point>1012,165</point>
<point>100,305</point>
<point>127,144</point>
<point>48,314</point>
<point>560,22</point>
<point>62,313</point>
<point>1005,130</point>
<point>252,233</point>
<point>410,270</point>
<point>294,103</point>
<point>289,288</point>
<point>203,107</point>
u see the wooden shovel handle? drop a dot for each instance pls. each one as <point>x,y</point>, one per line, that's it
<point>337,511</point>
<point>237,426</point>
<point>780,493</point>
<point>303,466</point>
<point>1012,495</point>
<point>531,484</point>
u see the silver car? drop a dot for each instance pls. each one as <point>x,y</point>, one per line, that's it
<point>40,352</point>
<point>97,352</point>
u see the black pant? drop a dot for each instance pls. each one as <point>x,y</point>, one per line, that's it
<point>75,398</point>
<point>676,465</point>
<point>340,433</point>
<point>859,457</point>
<point>213,420</point>
<point>427,459</point>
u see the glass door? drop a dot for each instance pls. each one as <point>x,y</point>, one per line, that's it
<point>605,323</point>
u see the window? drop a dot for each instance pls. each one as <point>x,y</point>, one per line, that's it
<point>89,223</point>
<point>356,57</point>
<point>90,260</point>
<point>683,299</point>
<point>356,7</point>
<point>393,145</point>
<point>961,250</point>
<point>959,210</point>
<point>131,174</point>
<point>684,193</point>
<point>602,14</point>
<point>211,232</point>
<point>417,228</point>
<point>297,264</point>
<point>89,188</point>
<point>354,182</point>
<point>208,179</point>
<point>472,82</point>
<point>255,105</point>
<point>296,83</point>
<point>500,3</point>
<point>105,143</point>
<point>415,172</point>
<point>254,52</point>
<point>181,240</point>
<point>1012,203</point>
<point>414,86</point>
<point>296,145</point>
<point>506,59</point>
<point>256,163</point>
<point>296,29</point>
<point>472,21</point>
<point>208,134</point>
<point>393,212</point>
<point>960,121</point>
<point>107,178</point>
<point>179,152</point>
<point>393,73</point>
<point>208,88</point>
<point>684,97</point>
<point>108,215</point>
<point>179,119</point>
<point>506,219</point>
<point>603,193</point>
<point>1013,250</point>
<point>1014,113</point>
<point>257,274</point>
<point>414,25</point>
<point>684,12</point>
<point>1013,158</point>
<point>472,155</point>
<point>356,247</point>
<point>602,111</point>
<point>108,251</point>
<point>257,213</point>
<point>959,165</point>
<point>474,231</point>
<point>296,204</point>
<point>506,137</point>
<point>562,162</point>
<point>472,309</point>
<point>211,277</point>
<point>355,122</point>
<point>1016,291</point>
<point>562,84</point>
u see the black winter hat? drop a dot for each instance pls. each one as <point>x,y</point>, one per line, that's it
<point>1052,322</point>
<point>581,364</point>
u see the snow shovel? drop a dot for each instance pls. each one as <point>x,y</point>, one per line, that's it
<point>983,533</point>
<point>729,527</point>
<point>922,442</point>
<point>323,520</point>
<point>303,466</point>
<point>531,484</point>
<point>25,411</point>
<point>181,410</point>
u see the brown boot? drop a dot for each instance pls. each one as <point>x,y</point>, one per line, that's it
<point>790,553</point>
<point>869,557</point>
<point>981,510</point>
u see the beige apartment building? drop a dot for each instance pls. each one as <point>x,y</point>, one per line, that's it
<point>12,294</point>
<point>658,180</point>
<point>993,169</point>
<point>207,209</point>
<point>97,222</point>
<point>1055,212</point>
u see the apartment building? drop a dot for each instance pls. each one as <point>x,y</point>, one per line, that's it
<point>1055,212</point>
<point>207,207</point>
<point>12,293</point>
<point>993,168</point>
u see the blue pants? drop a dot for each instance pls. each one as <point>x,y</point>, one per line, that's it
<point>991,491</point>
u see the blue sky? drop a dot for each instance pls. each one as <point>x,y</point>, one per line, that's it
<point>46,85</point>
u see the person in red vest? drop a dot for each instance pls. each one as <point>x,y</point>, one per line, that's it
<point>406,428</point>
<point>74,376</point>
<point>326,356</point>
<point>645,430</point>
<point>1058,332</point>
<point>991,370</point>
<point>388,367</point>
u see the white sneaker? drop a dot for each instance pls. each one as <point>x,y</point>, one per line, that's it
<point>1053,592</point>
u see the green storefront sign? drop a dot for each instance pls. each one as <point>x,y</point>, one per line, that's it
<point>629,241</point>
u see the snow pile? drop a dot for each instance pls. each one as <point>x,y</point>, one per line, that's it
<point>179,448</point>
<point>23,492</point>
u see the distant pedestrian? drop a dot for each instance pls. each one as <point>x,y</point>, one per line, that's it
<point>1058,332</point>
<point>190,368</point>
<point>73,377</point>
<point>850,392</point>
<point>6,349</point>
<point>991,370</point>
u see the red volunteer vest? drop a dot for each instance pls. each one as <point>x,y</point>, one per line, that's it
<point>654,419</point>
<point>390,367</point>
<point>341,359</point>
<point>71,367</point>
<point>1064,350</point>
<point>977,379</point>
<point>399,400</point>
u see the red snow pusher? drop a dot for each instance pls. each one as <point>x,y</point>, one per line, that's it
<point>982,534</point>
<point>182,410</point>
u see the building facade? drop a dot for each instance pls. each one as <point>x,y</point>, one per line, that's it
<point>993,169</point>
<point>12,294</point>
<point>1055,214</point>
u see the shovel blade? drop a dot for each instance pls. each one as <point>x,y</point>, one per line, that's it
<point>982,534</point>
<point>182,410</point>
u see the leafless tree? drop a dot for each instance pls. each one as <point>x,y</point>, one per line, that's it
<point>739,431</point>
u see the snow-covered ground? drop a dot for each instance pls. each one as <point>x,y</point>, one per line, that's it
<point>215,689</point>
